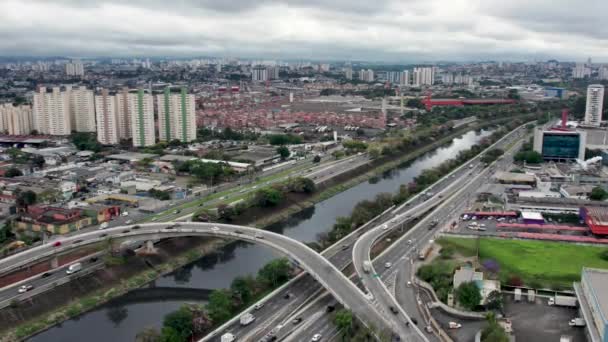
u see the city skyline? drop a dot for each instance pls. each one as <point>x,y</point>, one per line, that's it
<point>389,31</point>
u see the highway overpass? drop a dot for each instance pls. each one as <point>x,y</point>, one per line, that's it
<point>330,277</point>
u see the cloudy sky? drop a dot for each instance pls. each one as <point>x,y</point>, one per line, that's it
<point>376,30</point>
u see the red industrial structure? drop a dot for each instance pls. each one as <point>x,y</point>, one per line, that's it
<point>514,226</point>
<point>558,237</point>
<point>596,219</point>
<point>563,127</point>
<point>512,214</point>
<point>429,102</point>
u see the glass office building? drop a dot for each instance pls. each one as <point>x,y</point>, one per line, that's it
<point>560,145</point>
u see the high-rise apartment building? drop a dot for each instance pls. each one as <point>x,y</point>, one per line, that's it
<point>52,111</point>
<point>348,73</point>
<point>74,68</point>
<point>603,73</point>
<point>366,75</point>
<point>423,76</point>
<point>141,107</point>
<point>273,72</point>
<point>176,116</point>
<point>405,78</point>
<point>259,74</point>
<point>123,114</point>
<point>15,120</point>
<point>82,109</point>
<point>107,123</point>
<point>581,71</point>
<point>595,101</point>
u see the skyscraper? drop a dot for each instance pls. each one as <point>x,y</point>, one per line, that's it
<point>595,101</point>
<point>405,78</point>
<point>259,74</point>
<point>581,71</point>
<point>348,73</point>
<point>141,107</point>
<point>52,112</point>
<point>424,76</point>
<point>74,68</point>
<point>107,125</point>
<point>123,114</point>
<point>15,120</point>
<point>366,75</point>
<point>176,116</point>
<point>82,109</point>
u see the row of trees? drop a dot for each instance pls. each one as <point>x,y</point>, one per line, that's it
<point>189,320</point>
<point>208,173</point>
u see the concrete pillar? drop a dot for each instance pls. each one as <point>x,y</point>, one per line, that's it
<point>54,262</point>
<point>149,247</point>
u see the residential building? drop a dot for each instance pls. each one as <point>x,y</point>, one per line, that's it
<point>74,68</point>
<point>423,76</point>
<point>176,116</point>
<point>393,77</point>
<point>259,74</point>
<point>593,301</point>
<point>581,71</point>
<point>123,114</point>
<point>404,80</point>
<point>366,75</point>
<point>595,102</point>
<point>272,72</point>
<point>603,73</point>
<point>82,109</point>
<point>107,125</point>
<point>348,73</point>
<point>16,120</point>
<point>51,111</point>
<point>141,107</point>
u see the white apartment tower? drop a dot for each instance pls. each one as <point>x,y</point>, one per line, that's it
<point>366,75</point>
<point>74,68</point>
<point>141,106</point>
<point>82,109</point>
<point>348,73</point>
<point>52,112</point>
<point>259,74</point>
<point>581,71</point>
<point>595,101</point>
<point>15,120</point>
<point>176,116</point>
<point>107,123</point>
<point>405,78</point>
<point>424,76</point>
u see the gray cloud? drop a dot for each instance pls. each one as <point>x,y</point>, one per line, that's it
<point>391,30</point>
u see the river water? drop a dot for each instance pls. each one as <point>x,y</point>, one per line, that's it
<point>122,318</point>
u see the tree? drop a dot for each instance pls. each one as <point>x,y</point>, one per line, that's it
<point>13,172</point>
<point>604,255</point>
<point>268,197</point>
<point>344,321</point>
<point>178,324</point>
<point>159,194</point>
<point>493,332</point>
<point>86,141</point>
<point>26,198</point>
<point>219,306</point>
<point>530,157</point>
<point>468,295</point>
<point>243,288</point>
<point>495,301</point>
<point>283,152</point>
<point>37,161</point>
<point>598,194</point>
<point>316,159</point>
<point>301,184</point>
<point>274,273</point>
<point>144,163</point>
<point>149,334</point>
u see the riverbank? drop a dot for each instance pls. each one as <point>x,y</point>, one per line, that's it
<point>321,195</point>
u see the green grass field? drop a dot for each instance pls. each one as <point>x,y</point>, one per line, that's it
<point>549,264</point>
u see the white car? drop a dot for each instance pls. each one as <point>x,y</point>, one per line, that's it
<point>129,222</point>
<point>454,325</point>
<point>409,242</point>
<point>25,288</point>
<point>385,226</point>
<point>125,213</point>
<point>215,229</point>
<point>388,265</point>
<point>258,306</point>
<point>316,337</point>
<point>259,236</point>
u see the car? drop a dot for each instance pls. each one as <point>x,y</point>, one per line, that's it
<point>316,337</point>
<point>394,310</point>
<point>215,229</point>
<point>330,308</point>
<point>177,211</point>
<point>409,242</point>
<point>238,232</point>
<point>345,247</point>
<point>409,283</point>
<point>415,321</point>
<point>296,320</point>
<point>136,226</point>
<point>129,222</point>
<point>76,242</point>
<point>258,306</point>
<point>103,235</point>
<point>454,325</point>
<point>259,236</point>
<point>287,295</point>
<point>56,243</point>
<point>429,329</point>
<point>388,265</point>
<point>93,259</point>
<point>126,231</point>
<point>46,274</point>
<point>25,288</point>
<point>104,225</point>
<point>385,226</point>
<point>125,213</point>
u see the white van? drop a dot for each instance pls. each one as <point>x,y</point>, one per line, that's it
<point>73,268</point>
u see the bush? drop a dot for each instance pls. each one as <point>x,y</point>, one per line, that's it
<point>604,255</point>
<point>468,295</point>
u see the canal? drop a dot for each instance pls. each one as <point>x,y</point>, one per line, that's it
<point>122,318</point>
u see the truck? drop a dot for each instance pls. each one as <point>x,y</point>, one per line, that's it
<point>73,268</point>
<point>247,318</point>
<point>562,300</point>
<point>577,322</point>
<point>517,296</point>
<point>228,337</point>
<point>426,250</point>
<point>367,266</point>
<point>531,295</point>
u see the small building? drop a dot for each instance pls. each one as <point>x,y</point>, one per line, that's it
<point>131,157</point>
<point>592,297</point>
<point>596,218</point>
<point>467,274</point>
<point>576,191</point>
<point>531,217</point>
<point>53,220</point>
<point>515,178</point>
